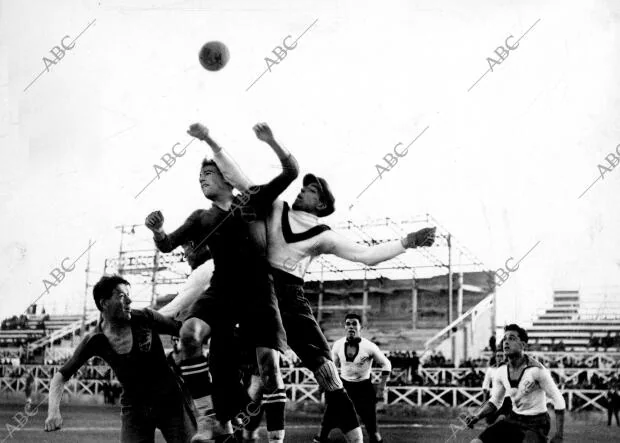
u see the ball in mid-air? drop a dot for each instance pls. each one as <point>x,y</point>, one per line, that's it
<point>213,56</point>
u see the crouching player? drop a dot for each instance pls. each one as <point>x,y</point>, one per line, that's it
<point>528,383</point>
<point>128,341</point>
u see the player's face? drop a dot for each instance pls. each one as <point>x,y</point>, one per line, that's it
<point>309,199</point>
<point>212,183</point>
<point>117,306</point>
<point>512,343</point>
<point>353,327</point>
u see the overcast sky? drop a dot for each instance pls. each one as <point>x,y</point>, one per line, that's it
<point>501,165</point>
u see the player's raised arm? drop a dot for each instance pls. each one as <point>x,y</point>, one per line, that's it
<point>228,167</point>
<point>290,167</point>
<point>337,244</point>
<point>168,242</point>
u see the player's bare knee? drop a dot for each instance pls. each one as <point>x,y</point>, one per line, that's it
<point>268,364</point>
<point>192,334</point>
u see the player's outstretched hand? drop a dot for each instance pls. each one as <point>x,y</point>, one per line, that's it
<point>199,131</point>
<point>471,420</point>
<point>422,238</point>
<point>263,132</point>
<point>53,422</point>
<point>154,221</point>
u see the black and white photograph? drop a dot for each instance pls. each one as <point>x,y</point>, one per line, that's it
<point>321,221</point>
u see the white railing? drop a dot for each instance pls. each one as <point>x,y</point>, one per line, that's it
<point>417,396</point>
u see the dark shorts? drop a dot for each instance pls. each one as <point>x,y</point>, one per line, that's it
<point>248,300</point>
<point>303,333</point>
<point>517,428</point>
<point>504,410</point>
<point>172,418</point>
<point>364,398</point>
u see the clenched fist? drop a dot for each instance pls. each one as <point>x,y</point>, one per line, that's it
<point>53,422</point>
<point>263,132</point>
<point>199,131</point>
<point>471,420</point>
<point>154,221</point>
<point>423,237</point>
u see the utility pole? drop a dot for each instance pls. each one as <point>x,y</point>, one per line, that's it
<point>154,279</point>
<point>83,328</point>
<point>450,299</point>
<point>414,300</point>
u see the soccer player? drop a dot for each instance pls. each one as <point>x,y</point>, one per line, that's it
<point>528,384</point>
<point>295,238</point>
<point>128,341</point>
<point>613,404</point>
<point>241,290</point>
<point>355,355</point>
<point>494,365</point>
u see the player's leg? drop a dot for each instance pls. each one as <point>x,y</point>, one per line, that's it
<point>274,394</point>
<point>194,369</point>
<point>136,425</point>
<point>505,430</point>
<point>329,421</point>
<point>253,409</point>
<point>174,420</point>
<point>224,363</point>
<point>365,405</point>
<point>261,326</point>
<point>305,338</point>
<point>193,366</point>
<point>250,431</point>
<point>536,428</point>
<point>28,393</point>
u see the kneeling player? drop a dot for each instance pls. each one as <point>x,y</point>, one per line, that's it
<point>528,383</point>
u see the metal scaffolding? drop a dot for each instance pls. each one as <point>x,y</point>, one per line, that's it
<point>153,270</point>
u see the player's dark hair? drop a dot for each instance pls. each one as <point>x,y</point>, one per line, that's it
<point>519,330</point>
<point>209,162</point>
<point>353,315</point>
<point>104,287</point>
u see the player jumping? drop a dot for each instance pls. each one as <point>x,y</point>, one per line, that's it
<point>241,289</point>
<point>128,340</point>
<point>355,355</point>
<point>528,383</point>
<point>296,237</point>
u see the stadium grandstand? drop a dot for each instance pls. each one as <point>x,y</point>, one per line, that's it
<point>433,312</point>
